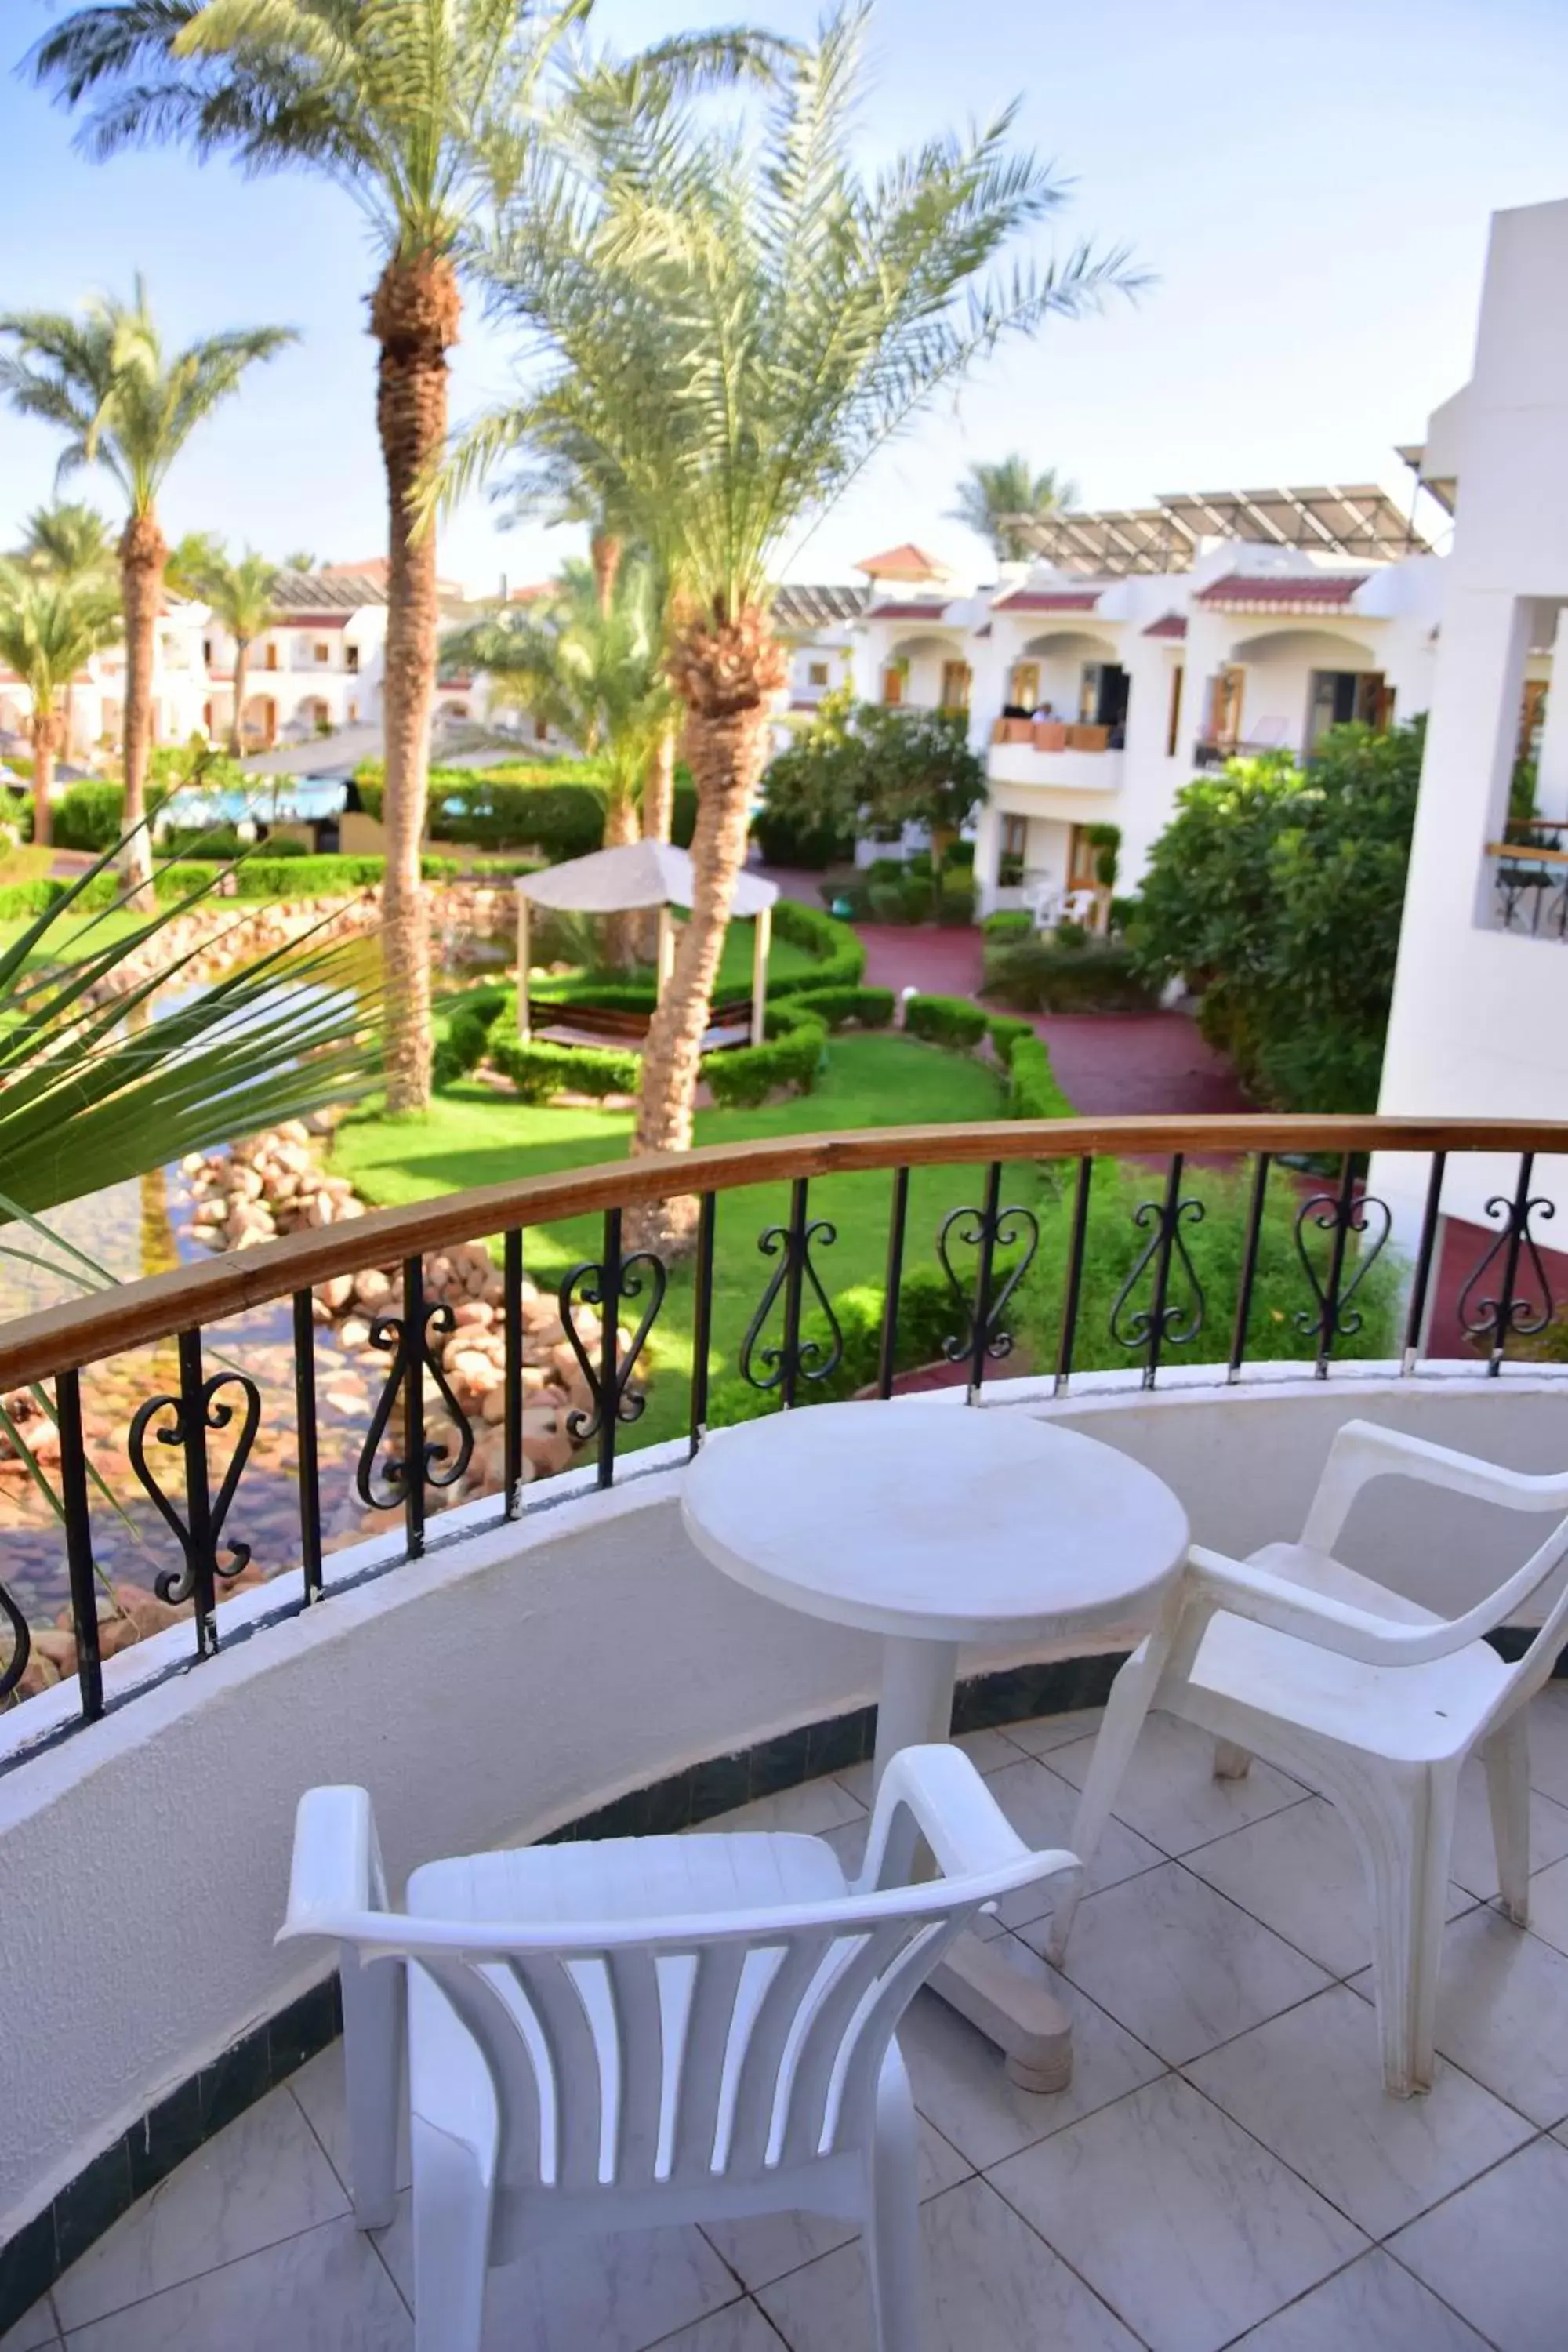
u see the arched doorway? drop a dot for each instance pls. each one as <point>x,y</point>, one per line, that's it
<point>259,725</point>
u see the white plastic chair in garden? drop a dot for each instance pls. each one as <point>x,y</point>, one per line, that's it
<point>609,2036</point>
<point>1367,1697</point>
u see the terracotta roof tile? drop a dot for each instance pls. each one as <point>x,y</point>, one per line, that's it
<point>906,562</point>
<point>1048,600</point>
<point>1283,588</point>
<point>1169,624</point>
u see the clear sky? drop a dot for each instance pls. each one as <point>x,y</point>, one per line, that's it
<point>1310,185</point>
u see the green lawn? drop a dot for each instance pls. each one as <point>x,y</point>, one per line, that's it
<point>77,936</point>
<point>475,1136</point>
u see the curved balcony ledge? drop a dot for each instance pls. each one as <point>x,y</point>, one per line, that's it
<point>521,1677</point>
<point>1078,772</point>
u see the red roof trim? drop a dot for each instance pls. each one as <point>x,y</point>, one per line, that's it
<point>1169,624</point>
<point>1275,588</point>
<point>310,621</point>
<point>1048,600</point>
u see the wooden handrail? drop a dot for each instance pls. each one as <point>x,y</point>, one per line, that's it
<point>83,1330</point>
<point>1527,854</point>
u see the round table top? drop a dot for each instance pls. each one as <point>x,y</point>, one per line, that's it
<point>937,1521</point>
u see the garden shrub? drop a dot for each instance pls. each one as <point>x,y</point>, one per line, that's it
<point>1005,1029</point>
<point>1041,974</point>
<point>888,903</point>
<point>851,891</point>
<point>1278,891</point>
<point>26,898</point>
<point>956,900</point>
<point>469,1027</point>
<point>843,957</point>
<point>868,1008</point>
<point>539,1070</point>
<point>1033,1091</point>
<point>789,1058</point>
<point>1008,923</point>
<point>952,1020</point>
<point>221,842</point>
<point>90,814</point>
<point>555,806</point>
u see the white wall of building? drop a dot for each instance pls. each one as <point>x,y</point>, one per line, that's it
<point>1480,1018</point>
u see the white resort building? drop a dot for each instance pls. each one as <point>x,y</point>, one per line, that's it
<point>1141,646</point>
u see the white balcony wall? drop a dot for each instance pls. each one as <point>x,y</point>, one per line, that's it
<point>1477,1022</point>
<point>1087,772</point>
<point>516,1680</point>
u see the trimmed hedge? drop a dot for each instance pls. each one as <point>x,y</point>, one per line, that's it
<point>1046,975</point>
<point>1008,923</point>
<point>952,1020</point>
<point>1034,1092</point>
<point>1004,1030</point>
<point>791,1058</point>
<point>539,1070</point>
<point>469,1027</point>
<point>557,807</point>
<point>90,814</point>
<point>843,964</point>
<point>28,898</point>
<point>868,1008</point>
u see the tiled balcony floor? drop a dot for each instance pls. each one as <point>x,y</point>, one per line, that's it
<point>1224,2170</point>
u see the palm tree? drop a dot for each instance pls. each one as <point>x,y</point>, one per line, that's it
<point>737,327</point>
<point>594,670</point>
<point>301,559</point>
<point>239,595</point>
<point>125,405</point>
<point>68,542</point>
<point>49,631</point>
<point>992,499</point>
<point>415,106</point>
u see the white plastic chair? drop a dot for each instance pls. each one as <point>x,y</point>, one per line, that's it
<point>610,2036</point>
<point>1370,1699</point>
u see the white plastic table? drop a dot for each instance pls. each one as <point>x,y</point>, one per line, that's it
<point>935,1525</point>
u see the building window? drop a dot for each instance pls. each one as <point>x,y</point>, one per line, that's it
<point>956,680</point>
<point>270,660</point>
<point>1014,848</point>
<point>207,651</point>
<point>892,686</point>
<point>1174,716</point>
<point>351,658</point>
<point>353,714</point>
<point>1024,686</point>
<point>323,652</point>
<point>817,674</point>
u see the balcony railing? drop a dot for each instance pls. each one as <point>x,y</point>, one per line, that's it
<point>1053,735</point>
<point>1529,879</point>
<point>794,1342</point>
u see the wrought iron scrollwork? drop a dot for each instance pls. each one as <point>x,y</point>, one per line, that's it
<point>1168,1320</point>
<point>983,1304</point>
<point>1511,1312</point>
<point>793,1358</point>
<point>407,1337</point>
<point>603,1285</point>
<point>1340,1214</point>
<point>16,1666</point>
<point>198,1407</point>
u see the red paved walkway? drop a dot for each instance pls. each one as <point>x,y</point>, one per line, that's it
<point>1105,1063</point>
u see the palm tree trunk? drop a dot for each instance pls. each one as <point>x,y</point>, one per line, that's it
<point>414,317</point>
<point>45,730</point>
<point>725,674</point>
<point>605,553</point>
<point>658,809</point>
<point>143,551</point>
<point>622,932</point>
<point>241,679</point>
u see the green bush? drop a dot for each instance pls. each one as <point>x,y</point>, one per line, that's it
<point>790,1059</point>
<point>868,1008</point>
<point>1046,975</point>
<point>1005,1029</point>
<point>850,890</point>
<point>27,899</point>
<point>1008,923</point>
<point>956,900</point>
<point>221,842</point>
<point>842,956</point>
<point>1033,1092</point>
<point>539,1070</point>
<point>469,1027</point>
<point>1278,890</point>
<point>952,1020</point>
<point>886,902</point>
<point>785,838</point>
<point>90,815</point>
<point>556,806</point>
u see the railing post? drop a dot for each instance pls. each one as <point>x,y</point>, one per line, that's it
<point>1414,1328</point>
<point>305,1438</point>
<point>79,1544</point>
<point>983,1272</point>
<point>702,1318</point>
<point>795,1276</point>
<point>609,1333</point>
<point>511,1327</point>
<point>1248,1267</point>
<point>414,1405</point>
<point>199,1498</point>
<point>887,1353</point>
<point>1069,1332</point>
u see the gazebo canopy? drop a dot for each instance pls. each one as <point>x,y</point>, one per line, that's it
<point>638,874</point>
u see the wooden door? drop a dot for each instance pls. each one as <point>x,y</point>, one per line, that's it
<point>1024,690</point>
<point>955,683</point>
<point>1225,706</point>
